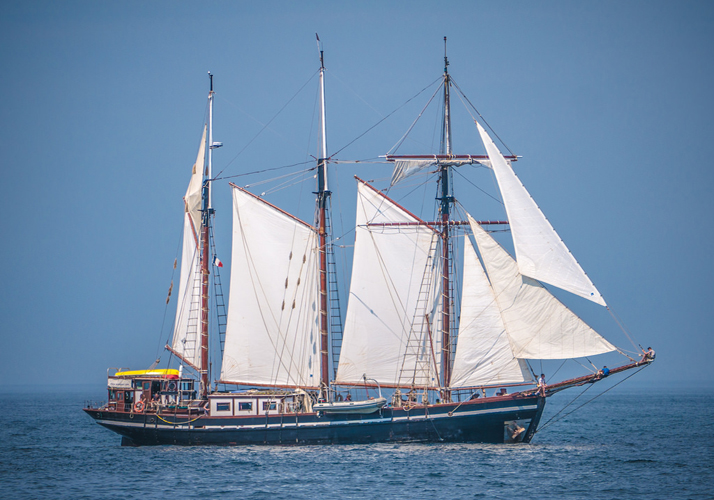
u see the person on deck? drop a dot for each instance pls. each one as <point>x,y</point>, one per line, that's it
<point>541,385</point>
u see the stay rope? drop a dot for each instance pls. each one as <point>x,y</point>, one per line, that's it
<point>552,419</point>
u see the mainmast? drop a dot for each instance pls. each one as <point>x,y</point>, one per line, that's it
<point>206,212</point>
<point>446,200</point>
<point>323,195</point>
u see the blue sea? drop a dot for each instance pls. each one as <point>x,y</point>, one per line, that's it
<point>626,444</point>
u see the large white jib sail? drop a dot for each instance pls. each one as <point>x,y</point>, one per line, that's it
<point>538,325</point>
<point>540,252</point>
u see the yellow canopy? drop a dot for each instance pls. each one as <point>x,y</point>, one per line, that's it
<point>165,372</point>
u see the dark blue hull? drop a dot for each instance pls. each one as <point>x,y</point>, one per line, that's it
<point>491,420</point>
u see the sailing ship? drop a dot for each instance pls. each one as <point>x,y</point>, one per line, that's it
<point>447,364</point>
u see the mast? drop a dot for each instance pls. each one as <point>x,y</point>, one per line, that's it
<point>206,211</point>
<point>446,200</point>
<point>323,195</point>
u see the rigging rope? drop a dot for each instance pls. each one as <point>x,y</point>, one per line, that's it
<point>267,124</point>
<point>401,141</point>
<point>166,307</point>
<point>390,114</point>
<point>474,185</point>
<point>265,170</point>
<point>588,401</point>
<point>622,327</point>
<point>479,114</point>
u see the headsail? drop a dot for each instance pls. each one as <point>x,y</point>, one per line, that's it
<point>273,335</point>
<point>539,326</point>
<point>391,312</point>
<point>483,353</point>
<point>540,252</point>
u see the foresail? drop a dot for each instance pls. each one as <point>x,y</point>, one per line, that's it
<point>538,325</point>
<point>483,353</point>
<point>185,341</point>
<point>272,335</point>
<point>540,252</point>
<point>390,327</point>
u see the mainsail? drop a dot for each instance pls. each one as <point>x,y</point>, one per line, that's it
<point>272,335</point>
<point>539,326</point>
<point>185,342</point>
<point>394,295</point>
<point>540,252</point>
<point>483,352</point>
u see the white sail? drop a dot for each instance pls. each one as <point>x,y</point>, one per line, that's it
<point>407,167</point>
<point>272,335</point>
<point>483,353</point>
<point>540,252</point>
<point>539,326</point>
<point>390,333</point>
<point>193,197</point>
<point>186,341</point>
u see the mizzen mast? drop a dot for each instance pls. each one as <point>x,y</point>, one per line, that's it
<point>323,195</point>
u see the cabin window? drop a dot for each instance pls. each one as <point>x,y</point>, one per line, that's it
<point>245,406</point>
<point>269,405</point>
<point>223,407</point>
<point>112,395</point>
<point>120,395</point>
<point>146,386</point>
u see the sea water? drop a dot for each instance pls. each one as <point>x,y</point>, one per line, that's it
<point>624,445</point>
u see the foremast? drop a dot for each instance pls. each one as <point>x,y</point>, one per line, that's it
<point>323,195</point>
<point>446,201</point>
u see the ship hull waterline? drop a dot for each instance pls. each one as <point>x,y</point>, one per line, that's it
<point>492,420</point>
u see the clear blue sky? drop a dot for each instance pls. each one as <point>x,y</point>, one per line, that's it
<point>610,103</point>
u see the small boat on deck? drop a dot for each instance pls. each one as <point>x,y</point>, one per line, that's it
<point>365,406</point>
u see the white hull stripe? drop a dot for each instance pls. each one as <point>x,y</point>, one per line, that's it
<point>312,425</point>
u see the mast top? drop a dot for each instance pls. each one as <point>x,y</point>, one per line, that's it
<point>319,48</point>
<point>446,59</point>
<point>210,77</point>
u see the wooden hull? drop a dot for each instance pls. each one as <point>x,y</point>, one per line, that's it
<point>490,420</point>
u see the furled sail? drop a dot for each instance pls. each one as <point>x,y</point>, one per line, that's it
<point>538,325</point>
<point>483,353</point>
<point>272,335</point>
<point>406,167</point>
<point>540,252</point>
<point>394,293</point>
<point>185,342</point>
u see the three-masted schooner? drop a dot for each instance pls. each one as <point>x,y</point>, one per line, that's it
<point>402,331</point>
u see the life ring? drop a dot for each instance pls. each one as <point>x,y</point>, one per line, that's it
<point>139,406</point>
<point>172,386</point>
